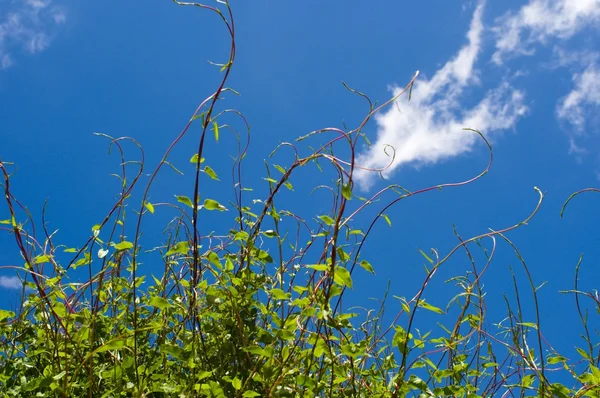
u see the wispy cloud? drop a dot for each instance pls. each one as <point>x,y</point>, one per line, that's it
<point>428,128</point>
<point>586,93</point>
<point>539,21</point>
<point>10,282</point>
<point>27,27</point>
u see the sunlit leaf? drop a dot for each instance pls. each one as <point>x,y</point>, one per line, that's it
<point>44,258</point>
<point>279,294</point>
<point>216,130</point>
<point>194,159</point>
<point>114,344</point>
<point>327,220</point>
<point>185,200</point>
<point>210,204</point>
<point>387,219</point>
<point>319,267</point>
<point>4,314</point>
<point>367,266</point>
<point>180,248</point>
<point>122,245</point>
<point>160,303</point>
<point>149,206</point>
<point>430,307</point>
<point>347,191</point>
<point>342,277</point>
<point>426,256</point>
<point>211,173</point>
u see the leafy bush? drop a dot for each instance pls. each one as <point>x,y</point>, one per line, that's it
<point>255,308</point>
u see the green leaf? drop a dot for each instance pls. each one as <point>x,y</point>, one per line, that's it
<point>270,233</point>
<point>279,294</point>
<point>367,266</point>
<point>123,245</point>
<point>582,353</point>
<point>327,220</point>
<point>160,303</point>
<point>236,383</point>
<point>342,277</point>
<point>527,381</point>
<point>44,258</point>
<point>149,206</point>
<point>194,159</point>
<point>556,359</point>
<point>347,191</point>
<point>185,200</point>
<point>281,169</point>
<point>319,267</point>
<point>70,250</point>
<point>6,315</point>
<point>4,221</point>
<point>257,350</point>
<point>528,324</point>
<point>387,219</point>
<point>180,248</point>
<point>216,129</point>
<point>114,344</point>
<point>60,375</point>
<point>250,394</point>
<point>211,173</point>
<point>210,204</point>
<point>426,256</point>
<point>430,307</point>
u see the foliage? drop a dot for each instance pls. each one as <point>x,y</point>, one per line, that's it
<point>256,309</point>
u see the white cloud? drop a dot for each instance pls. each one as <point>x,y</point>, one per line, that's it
<point>27,28</point>
<point>541,20</point>
<point>428,128</point>
<point>585,94</point>
<point>10,282</point>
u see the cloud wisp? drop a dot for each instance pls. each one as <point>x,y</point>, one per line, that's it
<point>557,23</point>
<point>539,21</point>
<point>10,282</point>
<point>586,93</point>
<point>429,127</point>
<point>27,28</point>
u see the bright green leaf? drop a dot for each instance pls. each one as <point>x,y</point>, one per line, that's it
<point>342,277</point>
<point>149,206</point>
<point>216,130</point>
<point>160,303</point>
<point>347,191</point>
<point>180,248</point>
<point>430,307</point>
<point>6,315</point>
<point>319,267</point>
<point>387,219</point>
<point>185,200</point>
<point>194,159</point>
<point>367,266</point>
<point>122,245</point>
<point>211,173</point>
<point>426,256</point>
<point>210,204</point>
<point>327,220</point>
<point>44,258</point>
<point>114,344</point>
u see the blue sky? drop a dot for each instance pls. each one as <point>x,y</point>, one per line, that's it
<point>524,73</point>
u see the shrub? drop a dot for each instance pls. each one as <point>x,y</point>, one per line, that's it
<point>255,308</point>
